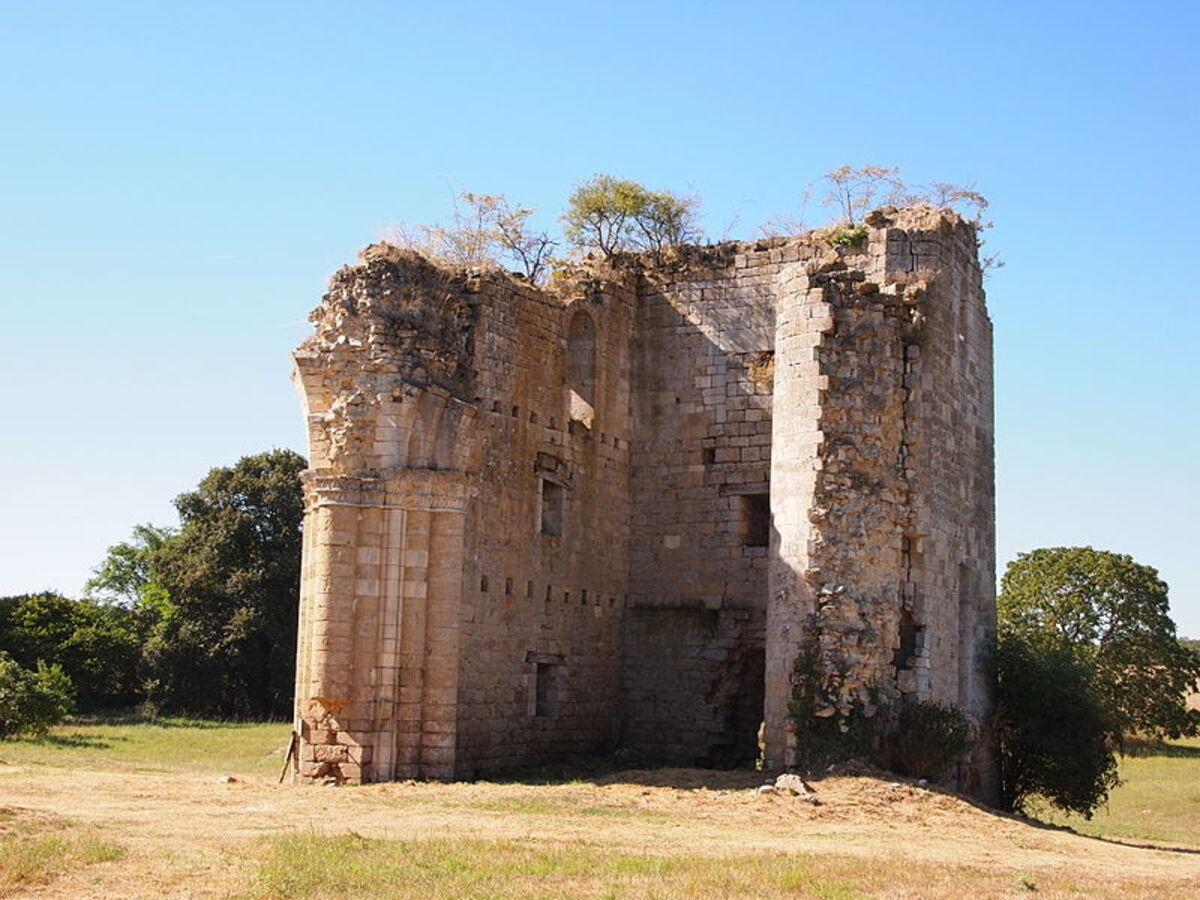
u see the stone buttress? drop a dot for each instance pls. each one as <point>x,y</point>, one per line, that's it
<point>882,479</point>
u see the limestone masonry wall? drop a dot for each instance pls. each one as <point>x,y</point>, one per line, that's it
<point>612,513</point>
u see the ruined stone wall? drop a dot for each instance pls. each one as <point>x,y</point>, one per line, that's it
<point>950,465</point>
<point>386,384</point>
<point>882,439</point>
<point>616,512</point>
<point>693,668</point>
<point>445,627</point>
<point>544,600</point>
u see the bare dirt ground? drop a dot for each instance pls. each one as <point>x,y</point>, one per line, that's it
<point>201,836</point>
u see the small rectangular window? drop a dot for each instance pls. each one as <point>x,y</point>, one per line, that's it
<point>547,690</point>
<point>553,502</point>
<point>549,680</point>
<point>755,516</point>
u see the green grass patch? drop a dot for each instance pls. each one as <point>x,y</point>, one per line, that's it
<point>147,744</point>
<point>1159,799</point>
<point>310,865</point>
<point>36,852</point>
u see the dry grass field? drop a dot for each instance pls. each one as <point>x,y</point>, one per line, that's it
<point>192,810</point>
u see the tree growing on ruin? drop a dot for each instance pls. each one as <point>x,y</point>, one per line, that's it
<point>487,231</point>
<point>529,248</point>
<point>613,214</point>
<point>1112,615</point>
<point>855,190</point>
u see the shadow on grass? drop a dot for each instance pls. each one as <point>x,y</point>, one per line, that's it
<point>75,741</point>
<point>123,718</point>
<point>1136,844</point>
<point>579,768</point>
<point>623,769</point>
<point>1143,747</point>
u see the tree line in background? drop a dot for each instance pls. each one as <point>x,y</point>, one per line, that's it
<point>613,215</point>
<point>198,620</point>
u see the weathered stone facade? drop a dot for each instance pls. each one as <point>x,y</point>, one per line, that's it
<point>610,513</point>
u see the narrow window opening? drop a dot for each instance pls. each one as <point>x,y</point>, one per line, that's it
<point>553,502</point>
<point>547,690</point>
<point>483,583</point>
<point>529,589</point>
<point>906,650</point>
<point>708,455</point>
<point>755,514</point>
<point>508,584</point>
<point>581,357</point>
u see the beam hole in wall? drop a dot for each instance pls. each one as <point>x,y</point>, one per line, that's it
<point>708,455</point>
<point>533,418</point>
<point>516,411</point>
<point>754,519</point>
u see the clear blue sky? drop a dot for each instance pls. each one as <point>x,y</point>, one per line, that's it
<point>180,179</point>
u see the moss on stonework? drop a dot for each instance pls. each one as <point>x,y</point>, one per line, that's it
<point>830,727</point>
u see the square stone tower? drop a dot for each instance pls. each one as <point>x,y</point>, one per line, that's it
<point>614,512</point>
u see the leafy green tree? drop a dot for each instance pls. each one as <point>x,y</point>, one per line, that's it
<point>1055,732</point>
<point>97,644</point>
<point>614,214</point>
<point>124,576</point>
<point>31,700</point>
<point>226,642</point>
<point>1112,614</point>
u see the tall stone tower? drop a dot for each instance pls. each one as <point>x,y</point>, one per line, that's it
<point>617,511</point>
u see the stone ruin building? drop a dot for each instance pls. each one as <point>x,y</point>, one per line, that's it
<point>610,512</point>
